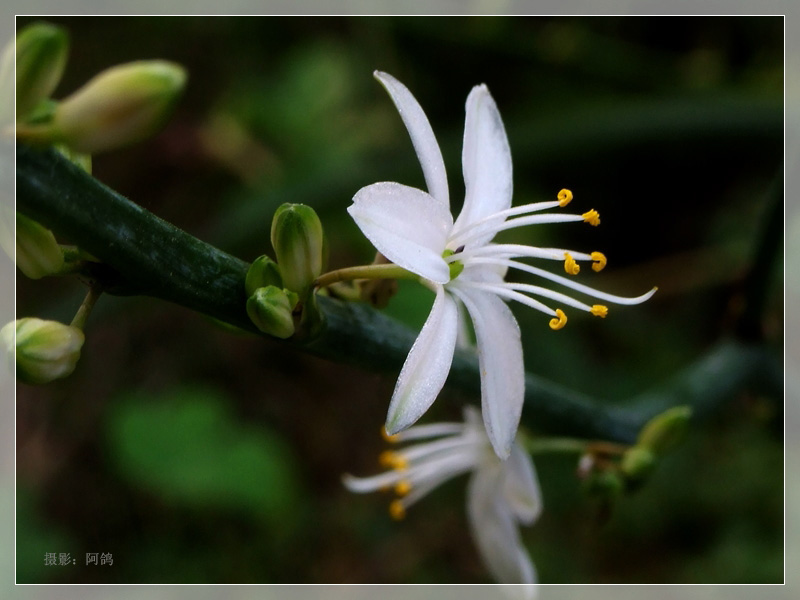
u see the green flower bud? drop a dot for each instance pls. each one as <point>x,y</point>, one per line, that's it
<point>38,253</point>
<point>119,106</point>
<point>45,350</point>
<point>263,272</point>
<point>298,240</point>
<point>41,57</point>
<point>606,484</point>
<point>637,462</point>
<point>664,431</point>
<point>270,308</point>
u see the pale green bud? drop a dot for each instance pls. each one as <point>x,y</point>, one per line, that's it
<point>299,244</point>
<point>606,484</point>
<point>665,430</point>
<point>270,308</point>
<point>41,57</point>
<point>45,350</point>
<point>38,253</point>
<point>637,462</point>
<point>119,106</point>
<point>263,272</point>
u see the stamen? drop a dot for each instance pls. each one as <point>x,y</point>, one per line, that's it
<point>459,249</point>
<point>396,510</point>
<point>497,225</point>
<point>402,488</point>
<point>585,289</point>
<point>570,266</point>
<point>598,310</point>
<point>393,460</point>
<point>564,197</point>
<point>559,321</point>
<point>392,439</point>
<point>599,261</point>
<point>592,217</point>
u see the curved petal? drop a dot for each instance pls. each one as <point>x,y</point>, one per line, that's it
<point>521,486</point>
<point>430,157</point>
<point>405,225</point>
<point>495,530</point>
<point>427,366</point>
<point>502,370</point>
<point>486,162</point>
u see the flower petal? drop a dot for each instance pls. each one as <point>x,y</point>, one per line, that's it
<point>430,157</point>
<point>427,366</point>
<point>406,225</point>
<point>521,486</point>
<point>500,358</point>
<point>486,161</point>
<point>494,529</point>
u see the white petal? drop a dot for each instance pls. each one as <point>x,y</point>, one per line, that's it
<point>406,225</point>
<point>502,370</point>
<point>486,161</point>
<point>521,486</point>
<point>430,157</point>
<point>495,530</point>
<point>427,366</point>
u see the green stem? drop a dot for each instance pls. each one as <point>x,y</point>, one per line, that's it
<point>545,445</point>
<point>85,308</point>
<point>142,254</point>
<point>385,271</point>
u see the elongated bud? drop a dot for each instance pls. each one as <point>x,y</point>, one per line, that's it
<point>298,241</point>
<point>41,57</point>
<point>664,431</point>
<point>119,106</point>
<point>38,253</point>
<point>270,308</point>
<point>637,462</point>
<point>45,350</point>
<point>263,272</point>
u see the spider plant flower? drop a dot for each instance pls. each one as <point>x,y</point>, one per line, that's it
<point>500,495</point>
<point>415,230</point>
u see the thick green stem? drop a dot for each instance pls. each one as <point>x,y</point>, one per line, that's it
<point>142,254</point>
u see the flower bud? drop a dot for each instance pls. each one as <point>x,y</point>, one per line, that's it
<point>38,253</point>
<point>299,244</point>
<point>41,57</point>
<point>119,106</point>
<point>637,462</point>
<point>263,272</point>
<point>664,431</point>
<point>270,308</point>
<point>45,350</point>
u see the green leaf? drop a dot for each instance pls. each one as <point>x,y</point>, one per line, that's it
<point>187,448</point>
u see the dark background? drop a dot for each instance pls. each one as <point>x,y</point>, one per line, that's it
<point>194,455</point>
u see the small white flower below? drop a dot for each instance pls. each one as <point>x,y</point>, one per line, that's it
<point>500,494</point>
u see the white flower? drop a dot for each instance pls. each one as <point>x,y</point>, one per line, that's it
<point>500,494</point>
<point>415,230</point>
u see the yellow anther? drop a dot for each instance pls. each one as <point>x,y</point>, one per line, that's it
<point>599,261</point>
<point>570,266</point>
<point>386,458</point>
<point>559,321</point>
<point>564,197</point>
<point>592,217</point>
<point>392,439</point>
<point>397,510</point>
<point>598,310</point>
<point>402,487</point>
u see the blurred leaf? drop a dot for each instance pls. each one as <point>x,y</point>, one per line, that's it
<point>34,539</point>
<point>187,448</point>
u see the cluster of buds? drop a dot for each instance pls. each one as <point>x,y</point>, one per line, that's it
<point>119,106</point>
<point>609,470</point>
<point>280,297</point>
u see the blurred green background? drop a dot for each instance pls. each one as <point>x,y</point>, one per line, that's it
<point>194,455</point>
